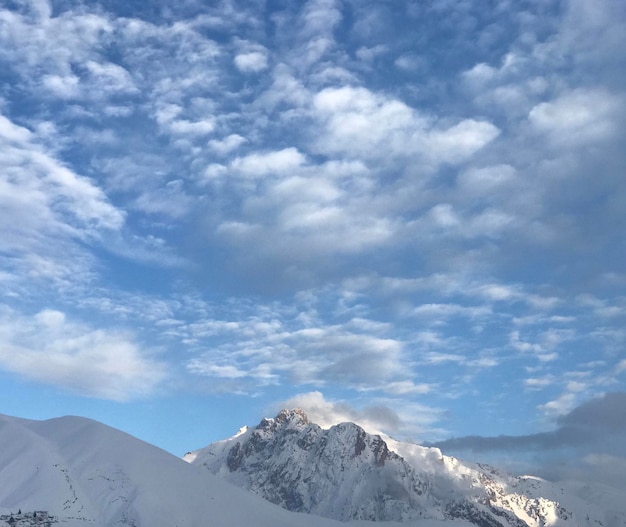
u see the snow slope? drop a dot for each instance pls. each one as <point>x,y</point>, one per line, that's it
<point>345,473</point>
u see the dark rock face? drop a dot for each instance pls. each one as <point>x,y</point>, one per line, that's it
<point>483,515</point>
<point>468,511</point>
<point>235,457</point>
<point>360,444</point>
<point>381,452</point>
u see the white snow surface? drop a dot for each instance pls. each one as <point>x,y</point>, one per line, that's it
<point>344,473</point>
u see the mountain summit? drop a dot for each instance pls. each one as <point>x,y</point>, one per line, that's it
<point>345,473</point>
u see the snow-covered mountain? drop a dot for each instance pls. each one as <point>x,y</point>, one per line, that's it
<point>345,473</point>
<point>76,473</point>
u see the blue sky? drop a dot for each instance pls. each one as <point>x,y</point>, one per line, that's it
<point>408,214</point>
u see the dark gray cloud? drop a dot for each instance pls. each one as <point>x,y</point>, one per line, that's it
<point>601,415</point>
<point>592,423</point>
<point>581,445</point>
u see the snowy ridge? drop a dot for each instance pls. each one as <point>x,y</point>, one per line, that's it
<point>345,473</point>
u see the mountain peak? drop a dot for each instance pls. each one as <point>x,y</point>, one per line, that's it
<point>289,419</point>
<point>295,415</point>
<point>302,467</point>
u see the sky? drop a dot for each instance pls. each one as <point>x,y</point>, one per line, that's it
<point>409,214</point>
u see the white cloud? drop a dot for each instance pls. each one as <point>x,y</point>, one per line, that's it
<point>488,182</point>
<point>111,78</point>
<point>64,87</point>
<point>523,346</point>
<point>306,189</point>
<point>47,208</point>
<point>397,417</point>
<point>369,54</point>
<point>479,75</point>
<point>434,357</point>
<point>444,311</point>
<point>408,388</point>
<point>286,90</point>
<point>537,383</point>
<point>512,88</point>
<point>591,34</point>
<point>361,123</point>
<point>89,203</point>
<point>460,141</point>
<point>168,115</point>
<point>186,127</point>
<point>320,17</point>
<point>302,212</point>
<point>170,200</point>
<point>267,163</point>
<point>227,144</point>
<point>327,413</point>
<point>443,215</point>
<point>560,406</point>
<point>212,173</point>
<point>52,45</point>
<point>409,62</point>
<point>215,370</point>
<point>576,386</point>
<point>251,62</point>
<point>577,117</point>
<point>300,350</point>
<point>51,349</point>
<point>12,132</point>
